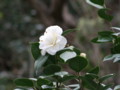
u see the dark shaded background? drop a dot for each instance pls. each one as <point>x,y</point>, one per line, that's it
<point>23,21</point>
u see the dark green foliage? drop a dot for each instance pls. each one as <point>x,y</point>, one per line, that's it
<point>42,81</point>
<point>94,70</point>
<point>105,77</point>
<point>116,46</point>
<point>51,69</point>
<point>103,37</point>
<point>39,63</point>
<point>24,82</point>
<point>102,13</point>
<point>99,2</point>
<point>35,50</point>
<point>77,63</point>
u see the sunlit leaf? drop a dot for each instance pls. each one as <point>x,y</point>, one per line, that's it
<point>67,55</point>
<point>116,28</point>
<point>90,2</point>
<point>114,57</point>
<point>117,87</point>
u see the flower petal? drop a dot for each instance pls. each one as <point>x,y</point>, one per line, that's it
<point>54,29</point>
<point>43,52</point>
<point>62,41</point>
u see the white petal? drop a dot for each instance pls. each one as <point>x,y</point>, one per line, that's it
<point>62,41</point>
<point>54,29</point>
<point>43,52</point>
<point>51,51</point>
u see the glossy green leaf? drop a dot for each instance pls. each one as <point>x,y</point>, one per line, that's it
<point>107,87</point>
<point>95,4</point>
<point>99,2</point>
<point>74,86</point>
<point>95,70</point>
<point>105,33</point>
<point>102,13</point>
<point>76,50</point>
<point>67,78</point>
<point>61,74</point>
<point>104,36</point>
<point>22,88</point>
<point>117,87</point>
<point>69,31</point>
<point>24,82</point>
<point>116,46</point>
<point>51,69</point>
<point>116,28</point>
<point>67,55</point>
<point>39,63</point>
<point>78,63</point>
<point>103,78</point>
<point>114,57</point>
<point>42,81</point>
<point>88,83</point>
<point>91,76</point>
<point>35,50</point>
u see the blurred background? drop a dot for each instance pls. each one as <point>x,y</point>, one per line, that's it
<point>23,21</point>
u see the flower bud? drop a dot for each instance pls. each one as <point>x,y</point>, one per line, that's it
<point>83,55</point>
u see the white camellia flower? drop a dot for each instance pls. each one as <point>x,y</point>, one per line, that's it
<point>52,41</point>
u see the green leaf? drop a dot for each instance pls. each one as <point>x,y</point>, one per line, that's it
<point>116,28</point>
<point>95,4</point>
<point>99,2</point>
<point>104,36</point>
<point>117,87</point>
<point>114,57</point>
<point>107,87</point>
<point>91,76</point>
<point>35,50</point>
<point>39,63</point>
<point>67,55</point>
<point>105,33</point>
<point>102,13</point>
<point>21,88</point>
<point>69,31</point>
<point>42,81</point>
<point>116,46</point>
<point>24,82</point>
<point>95,70</point>
<point>67,78</point>
<point>76,50</point>
<point>105,77</point>
<point>95,40</point>
<point>75,86</point>
<point>88,83</point>
<point>77,63</point>
<point>61,74</point>
<point>51,69</point>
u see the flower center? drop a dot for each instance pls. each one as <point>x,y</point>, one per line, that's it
<point>54,40</point>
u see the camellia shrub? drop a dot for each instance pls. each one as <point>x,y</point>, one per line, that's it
<point>51,53</point>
